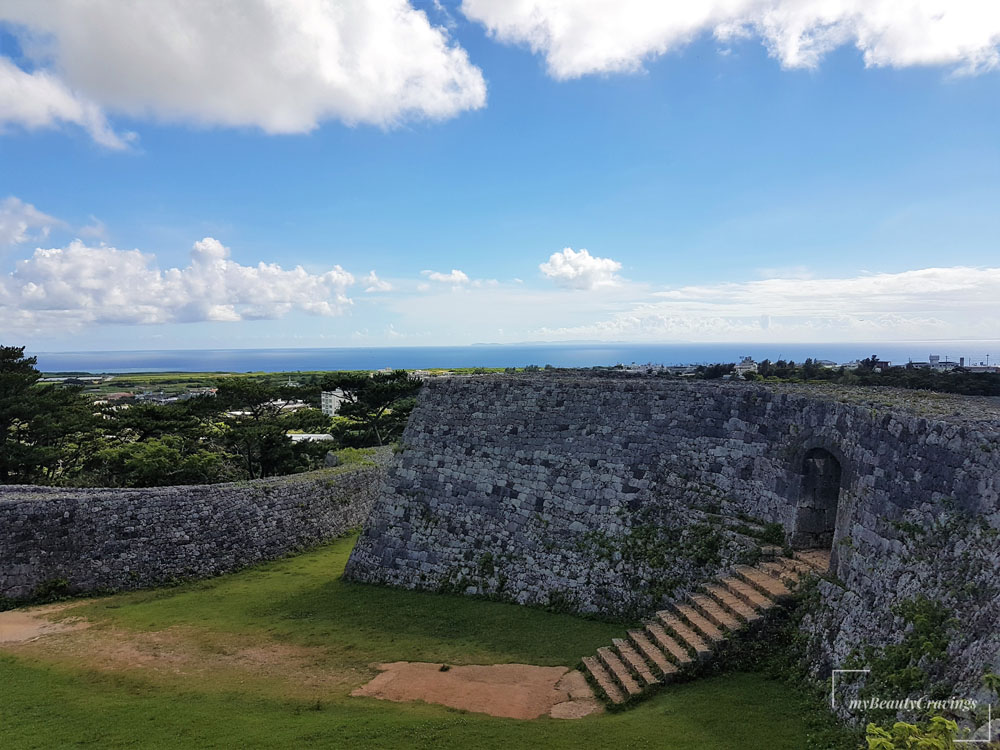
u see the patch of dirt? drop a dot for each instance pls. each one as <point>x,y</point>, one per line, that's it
<point>190,656</point>
<point>516,691</point>
<point>25,625</point>
<point>185,655</point>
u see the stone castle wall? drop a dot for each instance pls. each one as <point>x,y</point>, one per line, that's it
<point>614,495</point>
<point>115,539</point>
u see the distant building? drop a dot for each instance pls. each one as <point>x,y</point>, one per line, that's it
<point>745,365</point>
<point>934,363</point>
<point>301,437</point>
<point>330,401</point>
<point>825,363</point>
<point>647,368</point>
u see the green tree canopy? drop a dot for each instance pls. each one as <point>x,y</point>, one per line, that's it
<point>44,428</point>
<point>376,407</point>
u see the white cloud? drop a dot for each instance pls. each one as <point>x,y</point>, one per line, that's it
<point>40,100</point>
<point>955,302</point>
<point>22,222</point>
<point>96,229</point>
<point>80,285</point>
<point>375,284</point>
<point>284,67</point>
<point>607,36</point>
<point>455,277</point>
<point>580,270</point>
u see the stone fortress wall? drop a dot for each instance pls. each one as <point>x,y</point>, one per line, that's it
<point>615,495</point>
<point>85,540</point>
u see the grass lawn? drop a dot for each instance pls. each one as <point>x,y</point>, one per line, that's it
<point>60,699</point>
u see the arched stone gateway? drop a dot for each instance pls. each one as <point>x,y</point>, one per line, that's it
<point>816,514</point>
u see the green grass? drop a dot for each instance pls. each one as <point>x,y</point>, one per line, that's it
<point>43,708</point>
<point>55,703</point>
<point>302,600</point>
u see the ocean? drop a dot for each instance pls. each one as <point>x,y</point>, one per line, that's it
<point>494,355</point>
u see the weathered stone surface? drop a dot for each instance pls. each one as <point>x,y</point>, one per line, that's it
<point>114,539</point>
<point>620,495</point>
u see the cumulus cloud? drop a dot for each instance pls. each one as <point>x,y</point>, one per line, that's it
<point>953,302</point>
<point>607,36</point>
<point>96,229</point>
<point>283,67</point>
<point>580,270</point>
<point>40,100</point>
<point>80,285</point>
<point>455,277</point>
<point>375,284</point>
<point>22,222</point>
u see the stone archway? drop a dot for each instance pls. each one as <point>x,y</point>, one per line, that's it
<point>816,513</point>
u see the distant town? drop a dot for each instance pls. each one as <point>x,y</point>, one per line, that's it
<point>748,365</point>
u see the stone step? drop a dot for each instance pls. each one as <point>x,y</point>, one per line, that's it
<point>714,612</point>
<point>779,571</point>
<point>770,551</point>
<point>678,653</point>
<point>761,580</point>
<point>732,602</point>
<point>632,659</point>
<point>748,593</point>
<point>614,665</point>
<point>653,653</point>
<point>797,567</point>
<point>701,623</point>
<point>685,636</point>
<point>818,559</point>
<point>603,679</point>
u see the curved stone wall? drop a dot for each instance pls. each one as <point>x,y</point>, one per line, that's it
<point>614,495</point>
<point>86,540</point>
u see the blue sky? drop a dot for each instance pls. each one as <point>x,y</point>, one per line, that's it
<point>806,179</point>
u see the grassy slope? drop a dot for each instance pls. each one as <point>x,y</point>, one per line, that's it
<point>299,600</point>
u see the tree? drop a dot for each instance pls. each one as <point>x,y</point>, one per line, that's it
<point>868,364</point>
<point>17,376</point>
<point>254,431</point>
<point>44,429</point>
<point>712,372</point>
<point>376,407</point>
<point>156,462</point>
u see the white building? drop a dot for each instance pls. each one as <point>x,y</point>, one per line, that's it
<point>300,437</point>
<point>745,365</point>
<point>330,401</point>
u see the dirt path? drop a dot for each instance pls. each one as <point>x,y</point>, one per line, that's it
<point>186,655</point>
<point>517,691</point>
<point>179,654</point>
<point>25,625</point>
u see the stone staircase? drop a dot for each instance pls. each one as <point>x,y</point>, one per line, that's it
<point>688,633</point>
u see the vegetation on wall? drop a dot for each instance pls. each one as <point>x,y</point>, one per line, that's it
<point>869,373</point>
<point>909,667</point>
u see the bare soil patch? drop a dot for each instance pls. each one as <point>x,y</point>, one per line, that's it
<point>187,655</point>
<point>517,691</point>
<point>25,625</point>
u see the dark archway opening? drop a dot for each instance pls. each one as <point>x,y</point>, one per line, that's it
<point>816,517</point>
